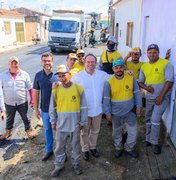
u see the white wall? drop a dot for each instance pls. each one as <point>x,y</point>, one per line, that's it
<point>128,11</point>
<point>8,39</point>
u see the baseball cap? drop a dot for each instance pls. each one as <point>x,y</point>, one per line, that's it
<point>13,58</point>
<point>118,62</point>
<point>80,51</point>
<point>72,55</point>
<point>136,50</point>
<point>61,69</point>
<point>113,39</point>
<point>153,46</point>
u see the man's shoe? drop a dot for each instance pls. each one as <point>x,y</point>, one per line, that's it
<point>133,153</point>
<point>30,133</point>
<point>85,155</point>
<point>147,144</point>
<point>156,149</point>
<point>47,156</point>
<point>56,171</point>
<point>77,169</point>
<point>6,135</point>
<point>95,153</point>
<point>118,153</point>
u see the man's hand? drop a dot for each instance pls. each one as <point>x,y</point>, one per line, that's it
<point>31,104</point>
<point>159,100</point>
<point>109,118</point>
<point>150,89</point>
<point>37,114</point>
<point>131,73</point>
<point>3,115</point>
<point>138,112</point>
<point>53,126</point>
<point>55,85</point>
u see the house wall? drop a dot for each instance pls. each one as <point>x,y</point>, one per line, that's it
<point>161,30</point>
<point>9,39</point>
<point>128,11</point>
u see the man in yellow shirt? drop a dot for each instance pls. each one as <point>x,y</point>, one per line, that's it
<point>79,64</point>
<point>156,77</point>
<point>134,64</point>
<point>109,55</point>
<point>68,115</point>
<point>121,96</point>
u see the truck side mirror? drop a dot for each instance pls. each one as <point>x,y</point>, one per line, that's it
<point>46,24</point>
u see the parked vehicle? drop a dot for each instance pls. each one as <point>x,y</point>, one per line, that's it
<point>65,30</point>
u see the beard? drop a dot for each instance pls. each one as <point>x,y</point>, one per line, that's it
<point>47,67</point>
<point>119,74</point>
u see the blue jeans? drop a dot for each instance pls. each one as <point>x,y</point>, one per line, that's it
<point>48,131</point>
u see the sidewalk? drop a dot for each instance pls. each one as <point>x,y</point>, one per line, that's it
<point>14,47</point>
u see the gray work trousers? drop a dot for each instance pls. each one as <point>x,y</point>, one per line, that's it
<point>60,151</point>
<point>153,117</point>
<point>129,120</point>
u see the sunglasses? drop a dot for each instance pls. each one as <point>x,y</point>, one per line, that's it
<point>81,55</point>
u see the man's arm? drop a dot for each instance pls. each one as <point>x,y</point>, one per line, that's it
<point>52,111</point>
<point>2,105</point>
<point>169,77</point>
<point>137,97</point>
<point>142,84</point>
<point>36,103</point>
<point>83,111</point>
<point>126,58</point>
<point>107,101</point>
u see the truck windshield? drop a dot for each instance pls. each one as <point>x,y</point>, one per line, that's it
<point>63,26</point>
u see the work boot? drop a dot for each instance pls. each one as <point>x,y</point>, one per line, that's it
<point>95,153</point>
<point>30,133</point>
<point>118,153</point>
<point>47,156</point>
<point>6,135</point>
<point>56,171</point>
<point>133,153</point>
<point>77,169</point>
<point>156,149</point>
<point>85,155</point>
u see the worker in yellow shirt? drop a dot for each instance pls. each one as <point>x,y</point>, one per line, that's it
<point>68,115</point>
<point>109,55</point>
<point>134,63</point>
<point>79,64</point>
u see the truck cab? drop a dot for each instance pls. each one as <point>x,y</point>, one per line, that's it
<point>64,33</point>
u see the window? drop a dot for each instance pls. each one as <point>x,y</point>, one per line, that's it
<point>129,35</point>
<point>7,27</point>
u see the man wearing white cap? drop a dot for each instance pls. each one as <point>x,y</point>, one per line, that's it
<point>80,63</point>
<point>68,114</point>
<point>109,55</point>
<point>14,86</point>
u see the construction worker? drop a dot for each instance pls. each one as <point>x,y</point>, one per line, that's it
<point>79,64</point>
<point>109,55</point>
<point>121,96</point>
<point>134,64</point>
<point>156,77</point>
<point>68,112</point>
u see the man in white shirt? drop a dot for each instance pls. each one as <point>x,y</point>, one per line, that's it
<point>92,80</point>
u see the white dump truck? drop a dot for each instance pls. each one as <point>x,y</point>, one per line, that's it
<point>65,30</point>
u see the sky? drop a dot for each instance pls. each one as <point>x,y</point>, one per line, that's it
<point>99,6</point>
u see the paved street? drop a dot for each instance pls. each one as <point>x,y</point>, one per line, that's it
<point>20,159</point>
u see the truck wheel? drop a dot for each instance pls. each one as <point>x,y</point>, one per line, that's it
<point>53,50</point>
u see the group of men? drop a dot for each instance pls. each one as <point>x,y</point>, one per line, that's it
<point>74,105</point>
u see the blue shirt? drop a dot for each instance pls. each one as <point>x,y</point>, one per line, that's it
<point>43,83</point>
